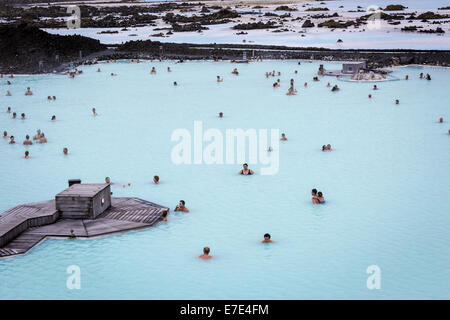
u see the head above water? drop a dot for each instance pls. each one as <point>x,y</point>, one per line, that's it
<point>182,203</point>
<point>108,180</point>
<point>267,236</point>
<point>314,191</point>
<point>206,250</point>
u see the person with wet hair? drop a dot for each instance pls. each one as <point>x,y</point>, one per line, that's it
<point>11,140</point>
<point>5,135</point>
<point>66,151</point>
<point>219,79</point>
<point>27,141</point>
<point>246,171</point>
<point>441,120</point>
<point>320,198</point>
<point>267,239</point>
<point>22,116</point>
<point>42,139</point>
<point>164,216</point>
<point>153,71</point>
<point>283,137</point>
<point>28,92</point>
<point>53,118</point>
<point>8,110</point>
<point>182,207</point>
<point>314,198</point>
<point>94,112</point>
<point>14,116</point>
<point>27,155</point>
<point>220,114</point>
<point>156,179</point>
<point>205,255</point>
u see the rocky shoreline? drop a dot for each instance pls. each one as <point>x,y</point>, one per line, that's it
<point>27,49</point>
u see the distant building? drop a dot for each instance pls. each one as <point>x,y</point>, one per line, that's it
<point>353,67</point>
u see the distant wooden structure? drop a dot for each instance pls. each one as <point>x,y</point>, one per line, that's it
<point>84,200</point>
<point>24,226</point>
<point>348,68</point>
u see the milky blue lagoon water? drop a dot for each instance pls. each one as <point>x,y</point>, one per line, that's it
<point>386,183</point>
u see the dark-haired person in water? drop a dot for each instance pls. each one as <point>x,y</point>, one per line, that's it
<point>28,92</point>
<point>5,135</point>
<point>27,141</point>
<point>156,179</point>
<point>219,79</point>
<point>320,197</point>
<point>283,137</point>
<point>11,140</point>
<point>267,239</point>
<point>22,116</point>
<point>181,207</point>
<point>66,151</point>
<point>27,155</point>
<point>220,114</point>
<point>164,216</point>
<point>53,118</point>
<point>14,116</point>
<point>42,139</point>
<point>8,110</point>
<point>314,198</point>
<point>441,120</point>
<point>94,112</point>
<point>246,171</point>
<point>205,255</point>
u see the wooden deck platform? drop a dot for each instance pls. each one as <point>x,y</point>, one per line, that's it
<point>24,226</point>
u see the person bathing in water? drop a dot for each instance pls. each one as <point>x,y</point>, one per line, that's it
<point>5,135</point>
<point>37,136</point>
<point>246,171</point>
<point>283,137</point>
<point>181,207</point>
<point>317,197</point>
<point>235,71</point>
<point>205,255</point>
<point>94,112</point>
<point>156,179</point>
<point>267,239</point>
<point>28,92</point>
<point>27,141</point>
<point>219,79</point>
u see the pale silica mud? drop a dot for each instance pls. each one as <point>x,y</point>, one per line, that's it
<point>385,182</point>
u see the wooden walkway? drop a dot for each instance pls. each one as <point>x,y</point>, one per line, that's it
<point>23,227</point>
